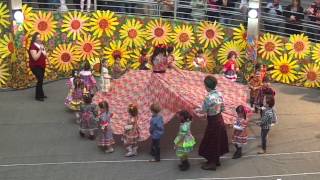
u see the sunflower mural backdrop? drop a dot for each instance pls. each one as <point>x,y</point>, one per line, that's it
<point>74,37</point>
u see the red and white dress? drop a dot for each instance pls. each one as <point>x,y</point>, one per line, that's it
<point>173,90</point>
<point>240,134</point>
<point>229,70</point>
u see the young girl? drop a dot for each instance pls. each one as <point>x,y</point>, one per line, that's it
<point>88,114</point>
<point>199,62</point>
<point>117,70</point>
<point>265,92</point>
<point>105,131</point>
<point>131,133</point>
<point>144,59</point>
<point>75,96</point>
<point>156,131</point>
<point>240,135</point>
<point>88,79</point>
<point>184,142</point>
<point>105,78</point>
<point>230,68</point>
<point>254,84</point>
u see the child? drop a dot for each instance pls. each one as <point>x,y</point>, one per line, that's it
<point>156,131</point>
<point>254,84</point>
<point>230,67</point>
<point>105,78</point>
<point>184,142</point>
<point>240,135</point>
<point>117,70</point>
<point>266,120</point>
<point>131,132</point>
<point>265,92</point>
<point>88,79</point>
<point>88,114</point>
<point>75,96</point>
<point>105,131</point>
<point>144,59</point>
<point>199,62</point>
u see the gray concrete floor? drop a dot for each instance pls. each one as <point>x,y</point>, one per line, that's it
<point>39,141</point>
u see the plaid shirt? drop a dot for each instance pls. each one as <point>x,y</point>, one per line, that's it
<point>266,119</point>
<point>213,103</point>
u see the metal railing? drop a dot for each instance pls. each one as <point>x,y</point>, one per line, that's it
<point>188,10</point>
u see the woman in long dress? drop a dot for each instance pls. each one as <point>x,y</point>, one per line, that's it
<point>171,88</point>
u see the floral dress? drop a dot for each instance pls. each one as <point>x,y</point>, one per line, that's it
<point>184,141</point>
<point>131,132</point>
<point>105,133</point>
<point>88,80</point>
<point>74,97</point>
<point>88,120</point>
<point>240,134</point>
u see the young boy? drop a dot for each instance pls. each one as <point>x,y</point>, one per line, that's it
<point>156,131</point>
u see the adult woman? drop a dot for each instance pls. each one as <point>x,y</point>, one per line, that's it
<point>294,15</point>
<point>166,85</point>
<point>37,63</point>
<point>215,141</point>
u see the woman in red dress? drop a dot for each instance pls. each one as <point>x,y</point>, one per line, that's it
<point>37,63</point>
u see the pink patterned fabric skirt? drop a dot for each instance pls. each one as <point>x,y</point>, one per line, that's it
<point>172,90</point>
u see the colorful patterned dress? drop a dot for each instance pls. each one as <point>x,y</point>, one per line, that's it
<point>89,81</point>
<point>184,141</point>
<point>74,97</point>
<point>255,84</point>
<point>229,70</point>
<point>131,132</point>
<point>240,134</point>
<point>105,134</point>
<point>88,120</point>
<point>172,90</point>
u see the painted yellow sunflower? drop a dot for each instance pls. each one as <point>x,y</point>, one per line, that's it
<point>88,47</point>
<point>95,65</point>
<point>316,53</point>
<point>240,35</point>
<point>270,46</point>
<point>4,74</point>
<point>6,46</point>
<point>208,62</point>
<point>4,16</point>
<point>178,58</point>
<point>310,75</point>
<point>284,69</point>
<point>75,24</point>
<point>115,49</point>
<point>159,31</point>
<point>135,58</point>
<point>228,47</point>
<point>210,34</point>
<point>43,23</point>
<point>183,36</point>
<point>64,57</point>
<point>27,15</point>
<point>298,45</point>
<point>103,22</point>
<point>132,33</point>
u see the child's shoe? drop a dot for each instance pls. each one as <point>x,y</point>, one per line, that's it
<point>109,150</point>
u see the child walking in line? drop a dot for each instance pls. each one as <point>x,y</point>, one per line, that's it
<point>131,132</point>
<point>156,131</point>
<point>89,81</point>
<point>240,135</point>
<point>265,92</point>
<point>184,142</point>
<point>88,114</point>
<point>144,59</point>
<point>268,116</point>
<point>105,78</point>
<point>105,131</point>
<point>255,84</point>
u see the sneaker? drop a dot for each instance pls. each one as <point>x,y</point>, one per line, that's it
<point>110,150</point>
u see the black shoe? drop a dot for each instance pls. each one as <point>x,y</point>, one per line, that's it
<point>39,99</point>
<point>45,96</point>
<point>237,154</point>
<point>92,137</point>
<point>81,134</point>
<point>185,165</point>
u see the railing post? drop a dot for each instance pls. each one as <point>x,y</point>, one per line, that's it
<point>95,5</point>
<point>253,30</point>
<point>175,9</point>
